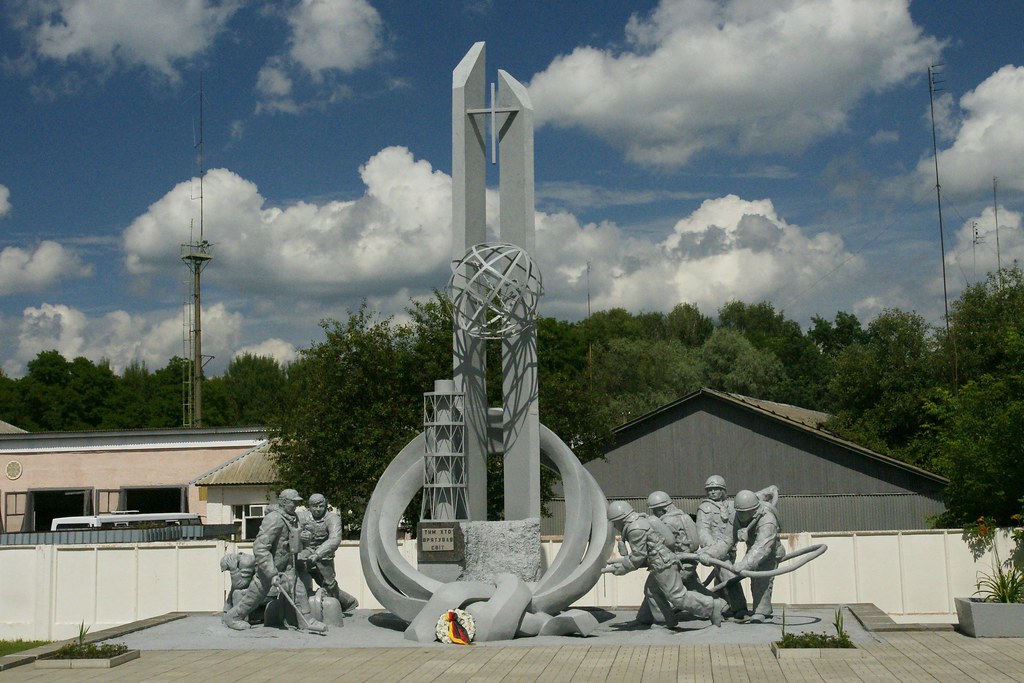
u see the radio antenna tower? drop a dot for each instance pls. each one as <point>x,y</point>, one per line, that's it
<point>196,254</point>
<point>934,82</point>
<point>995,213</point>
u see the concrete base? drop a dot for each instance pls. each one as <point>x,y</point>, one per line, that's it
<point>368,628</point>
<point>445,573</point>
<point>495,548</point>
<point>990,619</point>
<point>816,652</point>
<point>98,663</point>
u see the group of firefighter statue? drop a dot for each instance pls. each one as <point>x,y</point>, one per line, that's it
<point>670,544</point>
<point>294,548</point>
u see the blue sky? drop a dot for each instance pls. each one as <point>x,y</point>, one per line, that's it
<point>690,151</point>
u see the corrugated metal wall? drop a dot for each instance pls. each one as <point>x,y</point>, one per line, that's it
<point>831,512</point>
<point>676,451</point>
<point>97,536</point>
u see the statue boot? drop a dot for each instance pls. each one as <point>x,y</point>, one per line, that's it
<point>347,602</point>
<point>314,625</point>
<point>299,600</point>
<point>237,617</point>
<point>233,622</point>
<point>306,618</point>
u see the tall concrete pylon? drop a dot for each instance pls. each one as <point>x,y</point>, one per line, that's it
<point>509,120</point>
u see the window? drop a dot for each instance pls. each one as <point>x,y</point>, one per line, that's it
<point>249,517</point>
<point>154,499</point>
<point>49,504</point>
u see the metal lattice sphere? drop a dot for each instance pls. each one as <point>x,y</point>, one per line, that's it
<point>494,290</point>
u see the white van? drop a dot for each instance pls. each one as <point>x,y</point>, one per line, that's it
<point>128,519</point>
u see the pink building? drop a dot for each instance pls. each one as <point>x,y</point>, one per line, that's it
<point>59,474</point>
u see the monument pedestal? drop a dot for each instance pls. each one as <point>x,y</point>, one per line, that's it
<point>495,548</point>
<point>479,551</point>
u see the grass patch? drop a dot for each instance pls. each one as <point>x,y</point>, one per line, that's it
<point>817,640</point>
<point>89,651</point>
<point>83,650</point>
<point>9,647</point>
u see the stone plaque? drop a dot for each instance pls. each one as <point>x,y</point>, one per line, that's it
<point>440,542</point>
<point>435,540</point>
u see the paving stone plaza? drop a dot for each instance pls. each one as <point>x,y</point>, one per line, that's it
<point>368,648</point>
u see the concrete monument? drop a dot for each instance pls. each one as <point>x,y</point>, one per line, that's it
<point>684,540</point>
<point>758,526</point>
<point>320,534</point>
<point>494,289</point>
<point>715,518</point>
<point>650,543</point>
<point>276,550</point>
<point>242,568</point>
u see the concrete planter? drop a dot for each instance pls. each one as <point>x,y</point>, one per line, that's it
<point>102,663</point>
<point>990,619</point>
<point>816,652</point>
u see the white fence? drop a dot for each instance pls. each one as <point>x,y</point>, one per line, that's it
<point>46,592</point>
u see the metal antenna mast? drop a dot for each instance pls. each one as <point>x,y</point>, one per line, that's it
<point>933,87</point>
<point>995,212</point>
<point>590,340</point>
<point>933,83</point>
<point>195,254</point>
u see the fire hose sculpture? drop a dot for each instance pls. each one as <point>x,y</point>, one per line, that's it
<point>671,587</point>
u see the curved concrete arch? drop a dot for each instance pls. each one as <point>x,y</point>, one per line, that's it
<point>405,591</point>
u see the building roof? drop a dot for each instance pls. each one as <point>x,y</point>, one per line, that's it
<point>803,419</point>
<point>254,467</point>
<point>20,441</point>
<point>7,428</point>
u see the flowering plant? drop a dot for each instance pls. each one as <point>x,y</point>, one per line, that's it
<point>1005,583</point>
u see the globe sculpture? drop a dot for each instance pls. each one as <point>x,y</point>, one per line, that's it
<point>494,290</point>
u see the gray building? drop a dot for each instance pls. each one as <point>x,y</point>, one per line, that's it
<point>826,482</point>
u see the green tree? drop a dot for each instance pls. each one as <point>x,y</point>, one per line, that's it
<point>358,399</point>
<point>979,435</point>
<point>252,388</point>
<point>686,323</point>
<point>805,377</point>
<point>635,376</point>
<point>732,363</point>
<point>833,337</point>
<point>43,392</point>
<point>133,408</point>
<point>562,348</point>
<point>166,394</point>
<point>980,320</point>
<point>615,323</point>
<point>91,394</point>
<point>879,385</point>
<point>9,399</point>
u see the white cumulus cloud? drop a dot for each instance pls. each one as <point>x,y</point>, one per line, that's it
<point>729,248</point>
<point>396,233</point>
<point>757,77</point>
<point>394,242</point>
<point>326,38</point>
<point>29,270</point>
<point>977,249</point>
<point>334,34</point>
<point>987,142</point>
<point>280,350</point>
<point>5,201</point>
<point>119,337</point>
<point>157,35</point>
